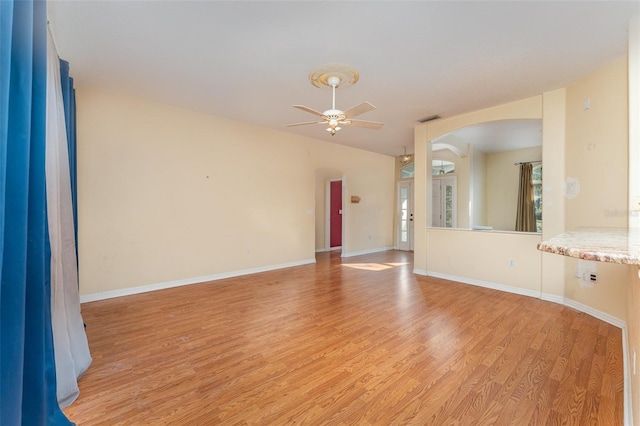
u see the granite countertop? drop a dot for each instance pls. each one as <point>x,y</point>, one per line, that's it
<point>613,245</point>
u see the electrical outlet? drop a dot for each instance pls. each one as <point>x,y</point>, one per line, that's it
<point>511,263</point>
<point>587,273</point>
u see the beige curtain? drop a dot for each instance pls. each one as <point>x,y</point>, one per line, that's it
<point>526,217</point>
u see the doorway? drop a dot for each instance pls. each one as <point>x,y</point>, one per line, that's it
<point>405,215</point>
<point>335,214</point>
<point>444,202</point>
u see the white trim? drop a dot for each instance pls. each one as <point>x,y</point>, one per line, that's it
<point>327,213</point>
<point>420,272</point>
<point>552,298</point>
<point>196,280</point>
<point>626,368</point>
<point>321,250</point>
<point>409,245</point>
<point>369,251</point>
<point>595,313</point>
<point>486,284</point>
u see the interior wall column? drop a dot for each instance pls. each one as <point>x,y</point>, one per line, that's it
<point>422,193</point>
<point>553,200</point>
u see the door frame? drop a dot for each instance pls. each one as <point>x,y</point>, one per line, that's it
<point>327,214</point>
<point>453,180</point>
<point>410,231</point>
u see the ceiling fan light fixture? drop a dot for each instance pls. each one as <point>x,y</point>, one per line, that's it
<point>333,130</point>
<point>406,158</point>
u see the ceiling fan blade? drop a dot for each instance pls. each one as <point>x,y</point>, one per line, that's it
<point>307,109</point>
<point>359,109</point>
<point>305,123</point>
<point>366,124</point>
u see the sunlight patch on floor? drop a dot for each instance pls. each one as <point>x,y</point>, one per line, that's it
<point>373,266</point>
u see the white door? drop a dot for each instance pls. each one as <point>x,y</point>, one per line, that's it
<point>405,215</point>
<point>444,202</point>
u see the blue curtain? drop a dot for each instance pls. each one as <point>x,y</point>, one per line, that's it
<point>27,369</point>
<point>69,99</point>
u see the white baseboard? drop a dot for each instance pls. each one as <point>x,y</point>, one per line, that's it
<point>321,250</point>
<point>420,272</point>
<point>486,284</point>
<point>196,280</point>
<point>369,251</point>
<point>552,298</point>
<point>595,313</point>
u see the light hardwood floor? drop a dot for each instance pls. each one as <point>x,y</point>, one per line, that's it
<point>359,340</point>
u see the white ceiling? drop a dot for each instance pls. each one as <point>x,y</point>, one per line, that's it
<point>250,61</point>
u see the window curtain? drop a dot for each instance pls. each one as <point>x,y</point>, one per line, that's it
<point>72,356</point>
<point>69,100</point>
<point>526,216</point>
<point>27,368</point>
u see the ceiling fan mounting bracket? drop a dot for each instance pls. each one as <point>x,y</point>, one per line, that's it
<point>326,75</point>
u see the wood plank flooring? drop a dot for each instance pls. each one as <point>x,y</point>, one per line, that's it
<point>359,340</point>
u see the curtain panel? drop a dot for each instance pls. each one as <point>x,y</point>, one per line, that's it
<point>27,367</point>
<point>72,356</point>
<point>43,345</point>
<point>526,215</point>
<point>69,101</point>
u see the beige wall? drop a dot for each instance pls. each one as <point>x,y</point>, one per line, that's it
<point>633,292</point>
<point>440,246</point>
<point>422,193</point>
<point>596,155</point>
<point>483,257</point>
<point>593,144</point>
<point>553,199</point>
<point>502,180</point>
<point>168,194</point>
<point>478,185</point>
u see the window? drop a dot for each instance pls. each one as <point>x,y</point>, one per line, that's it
<point>407,172</point>
<point>442,167</point>
<point>537,195</point>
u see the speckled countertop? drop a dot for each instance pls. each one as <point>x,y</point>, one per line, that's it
<point>613,245</point>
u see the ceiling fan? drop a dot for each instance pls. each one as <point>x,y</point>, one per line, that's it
<point>334,118</point>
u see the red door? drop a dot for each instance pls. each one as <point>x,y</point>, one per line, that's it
<point>335,210</point>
